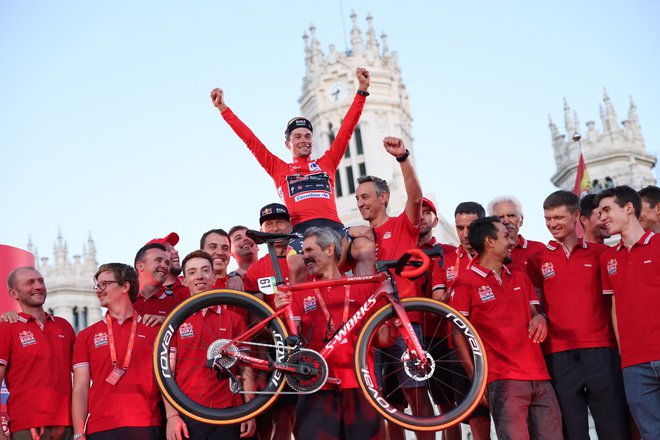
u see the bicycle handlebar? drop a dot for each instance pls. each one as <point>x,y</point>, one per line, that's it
<point>413,273</point>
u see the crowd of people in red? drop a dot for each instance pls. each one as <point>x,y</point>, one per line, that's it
<point>569,327</point>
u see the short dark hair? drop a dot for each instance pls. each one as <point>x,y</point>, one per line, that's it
<point>650,194</point>
<point>209,232</point>
<point>11,279</point>
<point>139,257</point>
<point>380,185</point>
<point>195,254</point>
<point>562,198</point>
<point>588,204</point>
<point>123,273</point>
<point>234,229</point>
<point>470,208</point>
<point>480,229</point>
<point>622,195</point>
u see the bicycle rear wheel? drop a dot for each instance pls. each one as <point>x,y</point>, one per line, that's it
<point>446,384</point>
<point>200,329</point>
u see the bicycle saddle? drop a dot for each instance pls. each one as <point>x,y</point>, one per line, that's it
<point>264,237</point>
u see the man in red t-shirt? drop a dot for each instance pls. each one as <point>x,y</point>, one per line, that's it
<point>306,186</point>
<point>172,284</point>
<point>594,229</point>
<point>114,387</point>
<point>498,300</point>
<point>215,242</point>
<point>35,362</point>
<point>333,412</point>
<point>649,216</point>
<point>509,210</point>
<point>189,358</point>
<point>631,274</point>
<point>580,348</point>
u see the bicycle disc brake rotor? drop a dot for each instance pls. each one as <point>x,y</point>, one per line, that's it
<point>415,370</point>
<point>221,354</point>
<point>315,378</point>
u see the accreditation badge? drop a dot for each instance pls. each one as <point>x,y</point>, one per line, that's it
<point>115,375</point>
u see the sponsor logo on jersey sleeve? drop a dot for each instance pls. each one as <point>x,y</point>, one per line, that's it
<point>186,330</point>
<point>27,338</point>
<point>548,269</point>
<point>100,339</point>
<point>611,267</point>
<point>309,304</point>
<point>486,293</point>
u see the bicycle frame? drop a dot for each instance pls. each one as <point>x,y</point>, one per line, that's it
<point>385,290</point>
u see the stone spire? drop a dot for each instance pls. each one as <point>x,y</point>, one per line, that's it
<point>90,257</point>
<point>554,133</point>
<point>386,49</point>
<point>576,122</point>
<point>610,113</point>
<point>29,243</point>
<point>568,122</point>
<point>603,119</point>
<point>372,42</point>
<point>356,36</point>
<point>61,252</point>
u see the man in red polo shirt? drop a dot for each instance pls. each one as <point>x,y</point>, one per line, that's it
<point>509,210</point>
<point>334,412</point>
<point>631,274</point>
<point>243,249</point>
<point>115,354</point>
<point>172,283</point>
<point>649,216</point>
<point>594,229</point>
<point>306,186</point>
<point>189,356</point>
<point>498,300</point>
<point>154,302</point>
<point>215,242</point>
<point>35,361</point>
<point>580,350</point>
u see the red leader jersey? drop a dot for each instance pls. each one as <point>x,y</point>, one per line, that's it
<point>499,309</point>
<point>523,250</point>
<point>263,268</point>
<point>314,325</point>
<point>306,186</point>
<point>633,276</point>
<point>161,303</point>
<point>38,371</point>
<point>568,283</point>
<point>190,345</point>
<point>393,239</point>
<point>455,263</point>
<point>134,401</point>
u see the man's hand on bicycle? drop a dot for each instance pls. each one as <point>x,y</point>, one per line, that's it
<point>282,299</point>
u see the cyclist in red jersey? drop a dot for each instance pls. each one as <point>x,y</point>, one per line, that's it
<point>306,185</point>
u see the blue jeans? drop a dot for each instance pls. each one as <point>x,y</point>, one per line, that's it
<point>642,384</point>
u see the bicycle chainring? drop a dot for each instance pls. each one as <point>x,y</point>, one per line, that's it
<point>317,376</point>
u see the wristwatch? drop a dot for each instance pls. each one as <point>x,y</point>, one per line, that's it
<point>404,157</point>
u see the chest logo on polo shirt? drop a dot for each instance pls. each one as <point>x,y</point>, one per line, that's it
<point>100,339</point>
<point>27,338</point>
<point>309,304</point>
<point>387,235</point>
<point>548,270</point>
<point>486,293</point>
<point>451,273</point>
<point>313,167</point>
<point>186,330</point>
<point>611,267</point>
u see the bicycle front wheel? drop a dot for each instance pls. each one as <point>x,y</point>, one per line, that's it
<point>193,360</point>
<point>386,374</point>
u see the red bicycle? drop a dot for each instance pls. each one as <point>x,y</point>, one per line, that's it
<point>270,346</point>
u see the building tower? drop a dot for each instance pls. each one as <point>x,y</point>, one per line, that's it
<point>327,92</point>
<point>69,283</point>
<point>615,156</point>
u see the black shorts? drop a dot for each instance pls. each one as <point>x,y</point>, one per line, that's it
<point>203,431</point>
<point>300,228</point>
<point>129,433</point>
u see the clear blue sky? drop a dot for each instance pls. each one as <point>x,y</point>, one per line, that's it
<point>106,123</point>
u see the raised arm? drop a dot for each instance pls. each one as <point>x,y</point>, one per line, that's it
<point>413,209</point>
<point>266,159</point>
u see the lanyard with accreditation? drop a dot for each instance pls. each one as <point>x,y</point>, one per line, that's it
<point>331,328</point>
<point>117,372</point>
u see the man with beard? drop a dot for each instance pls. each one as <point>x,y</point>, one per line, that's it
<point>509,210</point>
<point>172,283</point>
<point>650,214</point>
<point>594,229</point>
<point>35,361</point>
<point>497,300</point>
<point>335,411</point>
<point>215,242</point>
<point>580,350</point>
<point>189,351</point>
<point>631,274</point>
<point>243,249</point>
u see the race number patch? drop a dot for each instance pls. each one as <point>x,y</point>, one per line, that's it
<point>611,267</point>
<point>27,338</point>
<point>548,270</point>
<point>309,304</point>
<point>486,293</point>
<point>100,339</point>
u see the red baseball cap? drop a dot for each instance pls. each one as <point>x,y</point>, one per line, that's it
<point>430,204</point>
<point>171,238</point>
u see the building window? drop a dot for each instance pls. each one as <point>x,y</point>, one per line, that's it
<point>363,169</point>
<point>358,140</point>
<point>351,179</point>
<point>84,317</point>
<point>338,190</point>
<point>76,320</point>
<point>331,133</point>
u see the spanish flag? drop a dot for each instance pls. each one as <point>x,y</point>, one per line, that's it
<point>582,181</point>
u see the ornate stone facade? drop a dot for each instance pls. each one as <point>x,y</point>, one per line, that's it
<point>328,88</point>
<point>615,156</point>
<point>69,283</point>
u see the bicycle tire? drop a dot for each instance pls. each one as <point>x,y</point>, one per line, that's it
<point>384,401</point>
<point>253,310</point>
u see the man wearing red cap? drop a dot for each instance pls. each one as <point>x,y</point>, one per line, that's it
<point>172,283</point>
<point>306,186</point>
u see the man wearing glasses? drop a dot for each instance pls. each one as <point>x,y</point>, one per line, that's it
<point>115,354</point>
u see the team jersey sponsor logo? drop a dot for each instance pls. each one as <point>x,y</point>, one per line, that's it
<point>486,293</point>
<point>314,168</point>
<point>311,185</point>
<point>548,269</point>
<point>100,339</point>
<point>611,267</point>
<point>309,304</point>
<point>186,330</point>
<point>27,338</point>
<point>451,273</point>
<point>387,235</point>
<point>312,195</point>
